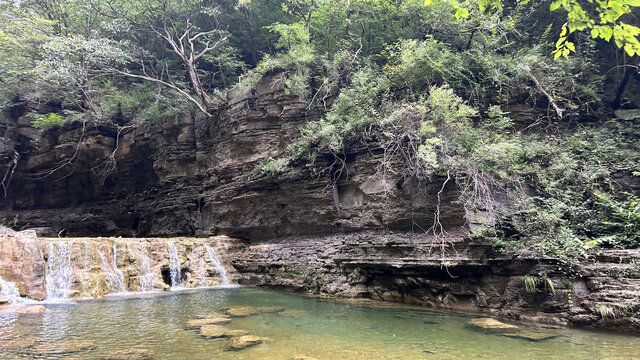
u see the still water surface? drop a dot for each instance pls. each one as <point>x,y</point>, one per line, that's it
<point>316,328</point>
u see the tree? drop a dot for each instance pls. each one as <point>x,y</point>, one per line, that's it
<point>188,30</point>
<point>604,20</point>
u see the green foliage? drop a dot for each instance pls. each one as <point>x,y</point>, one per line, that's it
<point>271,166</point>
<point>48,121</point>
<point>622,224</point>
<point>532,282</point>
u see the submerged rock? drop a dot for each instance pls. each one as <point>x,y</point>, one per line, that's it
<point>242,311</point>
<point>20,343</point>
<point>208,321</point>
<point>491,324</point>
<point>271,309</point>
<point>302,357</point>
<point>245,341</point>
<point>23,309</point>
<point>533,334</point>
<point>217,331</point>
<point>294,313</point>
<point>61,347</point>
<point>131,354</point>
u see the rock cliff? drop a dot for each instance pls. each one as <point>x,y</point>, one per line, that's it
<point>339,227</point>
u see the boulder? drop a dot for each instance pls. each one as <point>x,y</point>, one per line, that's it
<point>491,324</point>
<point>245,341</point>
<point>208,321</point>
<point>3,299</point>
<point>22,263</point>
<point>217,331</point>
<point>131,354</point>
<point>61,347</point>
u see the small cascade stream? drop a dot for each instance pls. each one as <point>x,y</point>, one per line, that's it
<point>115,277</point>
<point>174,265</point>
<point>59,271</point>
<point>147,276</point>
<point>200,271</point>
<point>215,260</point>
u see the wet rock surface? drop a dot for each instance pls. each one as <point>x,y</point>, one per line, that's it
<point>217,331</point>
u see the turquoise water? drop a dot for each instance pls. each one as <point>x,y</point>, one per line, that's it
<point>313,327</point>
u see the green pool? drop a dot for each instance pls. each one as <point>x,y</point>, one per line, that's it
<point>294,327</point>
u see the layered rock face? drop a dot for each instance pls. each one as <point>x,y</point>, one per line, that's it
<point>342,226</point>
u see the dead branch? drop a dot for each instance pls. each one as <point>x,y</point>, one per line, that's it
<point>552,101</point>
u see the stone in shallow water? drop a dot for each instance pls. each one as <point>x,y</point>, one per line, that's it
<point>19,343</point>
<point>23,309</point>
<point>131,354</point>
<point>210,315</point>
<point>302,357</point>
<point>61,347</point>
<point>208,321</point>
<point>492,324</point>
<point>242,311</point>
<point>294,313</point>
<point>3,299</point>
<point>217,331</point>
<point>533,334</point>
<point>245,341</point>
<point>271,309</point>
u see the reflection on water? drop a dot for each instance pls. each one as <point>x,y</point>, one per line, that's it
<point>312,327</point>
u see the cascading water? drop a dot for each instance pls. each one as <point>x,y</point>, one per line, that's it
<point>119,275</point>
<point>147,276</point>
<point>213,256</point>
<point>115,278</point>
<point>200,271</point>
<point>174,265</point>
<point>59,272</point>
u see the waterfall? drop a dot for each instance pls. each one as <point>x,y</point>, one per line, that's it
<point>200,272</point>
<point>213,256</point>
<point>174,265</point>
<point>147,276</point>
<point>119,275</point>
<point>114,276</point>
<point>59,273</point>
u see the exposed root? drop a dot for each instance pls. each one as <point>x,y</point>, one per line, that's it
<point>108,166</point>
<point>11,168</point>
<point>44,174</point>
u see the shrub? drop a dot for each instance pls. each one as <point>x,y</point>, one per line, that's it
<point>48,121</point>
